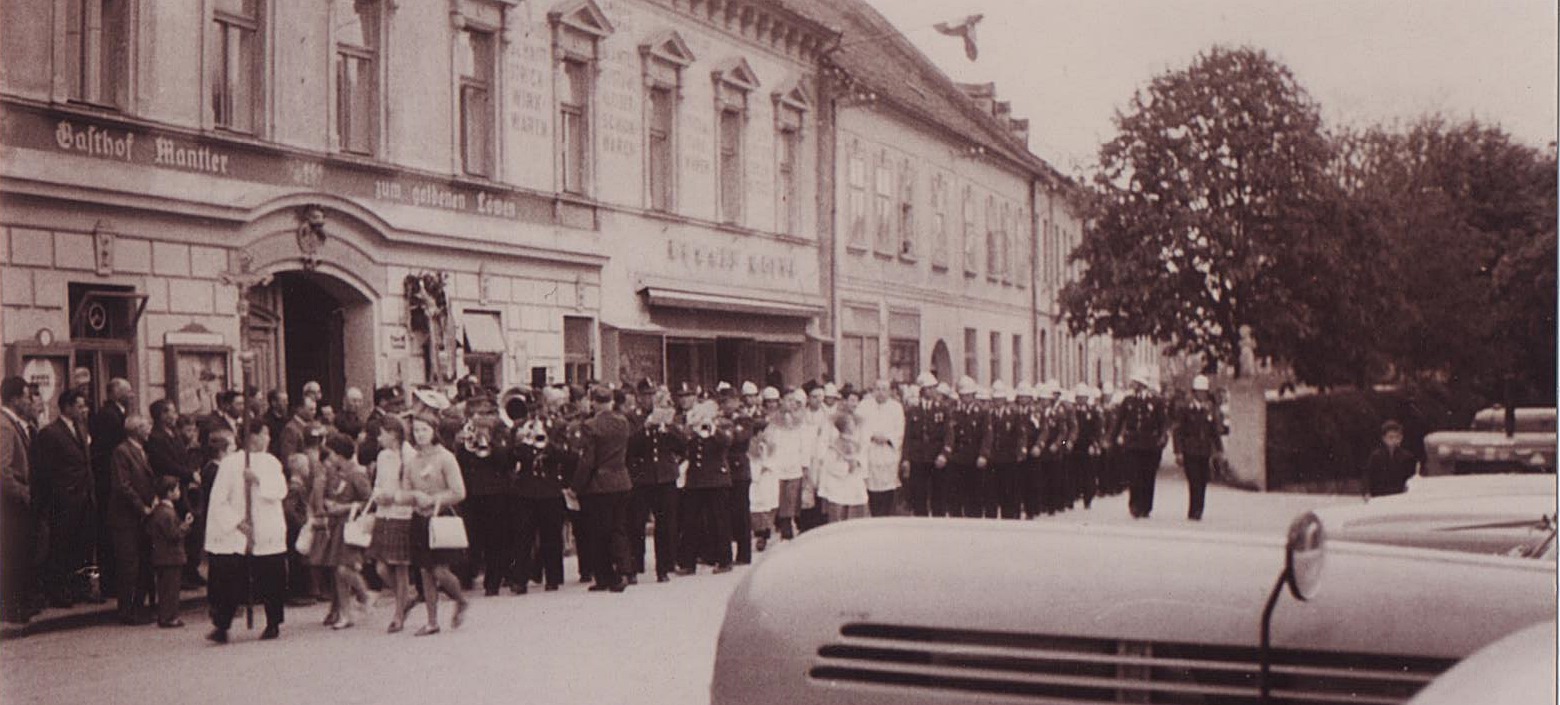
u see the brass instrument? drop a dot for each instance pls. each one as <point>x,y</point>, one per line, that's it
<point>514,405</point>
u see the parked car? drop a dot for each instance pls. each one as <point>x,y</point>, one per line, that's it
<point>1512,515</point>
<point>1517,670</point>
<point>908,611</point>
<point>1485,447</point>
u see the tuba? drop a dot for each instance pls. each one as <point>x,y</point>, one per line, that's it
<point>514,406</point>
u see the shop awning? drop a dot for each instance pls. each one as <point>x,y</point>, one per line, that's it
<point>712,301</point>
<point>482,333</point>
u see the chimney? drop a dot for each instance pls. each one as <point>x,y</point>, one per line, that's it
<point>1020,128</point>
<point>984,95</point>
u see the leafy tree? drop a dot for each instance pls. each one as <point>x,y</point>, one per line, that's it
<point>1211,215</point>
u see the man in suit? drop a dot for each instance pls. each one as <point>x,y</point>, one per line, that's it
<point>226,417</point>
<point>296,428</point>
<point>64,484</point>
<point>603,486</point>
<point>107,431</point>
<point>131,499</point>
<point>17,530</point>
<point>170,457</point>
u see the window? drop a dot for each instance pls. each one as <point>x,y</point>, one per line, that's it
<point>474,64</point>
<point>971,355</point>
<point>574,90</point>
<point>884,222</point>
<point>1018,358</point>
<point>662,109</point>
<point>907,246</point>
<point>97,33</point>
<point>578,354</point>
<point>904,346</point>
<point>1040,371</point>
<point>856,178</point>
<point>860,330</point>
<point>731,181</point>
<point>1004,246</point>
<point>971,240</point>
<point>482,338</point>
<point>992,225</point>
<point>236,57</point>
<point>939,222</point>
<point>1021,249</point>
<point>996,356</point>
<point>789,171</point>
<point>357,75</point>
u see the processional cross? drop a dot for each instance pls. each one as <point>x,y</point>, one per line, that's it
<point>245,281</point>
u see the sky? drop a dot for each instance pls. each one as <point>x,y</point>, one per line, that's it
<point>1069,65</point>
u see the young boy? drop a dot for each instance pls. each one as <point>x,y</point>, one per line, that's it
<point>168,557</point>
<point>1390,464</point>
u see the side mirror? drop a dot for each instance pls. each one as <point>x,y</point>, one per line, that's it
<point>1304,556</point>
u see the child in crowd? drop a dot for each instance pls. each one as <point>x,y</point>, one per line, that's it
<point>167,531</point>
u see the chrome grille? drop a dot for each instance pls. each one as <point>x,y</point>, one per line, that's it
<point>1054,669</point>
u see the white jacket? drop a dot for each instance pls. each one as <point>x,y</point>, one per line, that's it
<point>226,511</point>
<point>885,421</point>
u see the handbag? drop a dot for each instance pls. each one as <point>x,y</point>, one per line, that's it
<point>305,542</point>
<point>446,532</point>
<point>359,529</point>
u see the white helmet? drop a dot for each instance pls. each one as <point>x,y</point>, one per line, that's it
<point>926,379</point>
<point>1200,383</point>
<point>749,389</point>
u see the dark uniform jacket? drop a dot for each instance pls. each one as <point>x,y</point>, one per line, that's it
<point>1141,423</point>
<point>541,471</point>
<point>1091,427</point>
<point>707,457</point>
<point>1197,429</point>
<point>743,428</point>
<point>603,468</point>
<point>167,532</point>
<point>62,471</point>
<point>926,431</point>
<point>131,491</point>
<point>971,432</point>
<point>489,476</point>
<point>1010,439</point>
<point>1061,429</point>
<point>654,452</point>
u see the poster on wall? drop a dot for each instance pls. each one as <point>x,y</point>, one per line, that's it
<point>639,357</point>
<point>196,375</point>
<point>48,373</point>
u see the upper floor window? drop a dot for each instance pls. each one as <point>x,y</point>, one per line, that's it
<point>939,222</point>
<point>1004,246</point>
<point>885,224</point>
<point>993,251</point>
<point>971,237</point>
<point>236,56</point>
<point>733,85</point>
<point>856,207</point>
<point>907,234</point>
<point>996,356</point>
<point>578,28</point>
<point>665,57</point>
<point>1021,248</point>
<point>475,63</point>
<point>97,37</point>
<point>791,106</point>
<point>358,33</point>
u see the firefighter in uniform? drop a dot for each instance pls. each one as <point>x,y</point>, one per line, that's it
<point>1009,451</point>
<point>1032,423</point>
<point>744,425</point>
<point>1086,449</point>
<point>706,509</point>
<point>1198,437</point>
<point>926,433</point>
<point>654,451</point>
<point>969,452</point>
<point>1060,432</point>
<point>1141,432</point>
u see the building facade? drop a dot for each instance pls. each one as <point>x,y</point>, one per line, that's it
<point>407,192</point>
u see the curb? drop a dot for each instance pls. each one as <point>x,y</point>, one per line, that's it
<point>103,614</point>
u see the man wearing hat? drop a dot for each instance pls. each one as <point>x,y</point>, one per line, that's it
<point>706,502</point>
<point>1084,459</point>
<point>926,434</point>
<point>1060,432</point>
<point>743,427</point>
<point>1009,446</point>
<point>492,504</point>
<point>602,484</point>
<point>655,449</point>
<point>969,453</point>
<point>1141,431</point>
<point>1198,437</point>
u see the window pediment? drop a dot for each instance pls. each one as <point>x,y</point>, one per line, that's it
<point>583,16</point>
<point>736,72</point>
<point>668,46</point>
<point>793,94</point>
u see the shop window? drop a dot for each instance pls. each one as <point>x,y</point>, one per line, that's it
<point>236,57</point>
<point>996,356</point>
<point>97,40</point>
<point>102,312</point>
<point>665,57</point>
<point>482,340</point>
<point>474,58</point>
<point>904,358</point>
<point>691,361</point>
<point>358,39</point>
<point>971,355</point>
<point>856,180</point>
<point>579,355</point>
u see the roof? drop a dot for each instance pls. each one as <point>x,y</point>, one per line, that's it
<point>874,54</point>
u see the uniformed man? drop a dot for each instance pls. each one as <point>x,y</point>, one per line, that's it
<point>655,450</point>
<point>970,451</point>
<point>1086,450</point>
<point>541,470</point>
<point>1198,437</point>
<point>1141,432</point>
<point>1009,449</point>
<point>706,497</point>
<point>1030,480</point>
<point>926,432</point>
<point>1060,431</point>
<point>603,486</point>
<point>743,426</point>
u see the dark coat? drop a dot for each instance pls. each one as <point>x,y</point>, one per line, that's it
<point>1387,472</point>
<point>292,436</point>
<point>168,456</point>
<point>707,458</point>
<point>738,461</point>
<point>540,472</point>
<point>167,532</point>
<point>131,490</point>
<point>1142,423</point>
<point>926,431</point>
<point>603,466</point>
<point>16,456</point>
<point>1010,435</point>
<point>654,452</point>
<point>108,431</point>
<point>62,472</point>
<point>971,427</point>
<point>1198,428</point>
<point>490,476</point>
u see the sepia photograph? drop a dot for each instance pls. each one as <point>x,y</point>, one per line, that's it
<point>747,352</point>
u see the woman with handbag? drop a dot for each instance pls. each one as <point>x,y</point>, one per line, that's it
<point>344,497</point>
<point>431,477</point>
<point>391,546</point>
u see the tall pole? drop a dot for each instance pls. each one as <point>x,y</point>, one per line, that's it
<point>246,280</point>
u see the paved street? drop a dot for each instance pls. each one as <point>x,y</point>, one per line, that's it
<point>653,644</point>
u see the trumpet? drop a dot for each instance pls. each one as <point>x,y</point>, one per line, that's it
<point>705,429</point>
<point>514,405</point>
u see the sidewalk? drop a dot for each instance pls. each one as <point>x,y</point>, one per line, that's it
<point>53,619</point>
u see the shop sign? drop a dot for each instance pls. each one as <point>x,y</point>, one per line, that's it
<point>36,128</point>
<point>700,258</point>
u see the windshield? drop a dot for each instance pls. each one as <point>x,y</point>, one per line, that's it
<point>1528,420</point>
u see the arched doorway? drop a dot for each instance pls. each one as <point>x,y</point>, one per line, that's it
<point>309,326</point>
<point>942,362</point>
